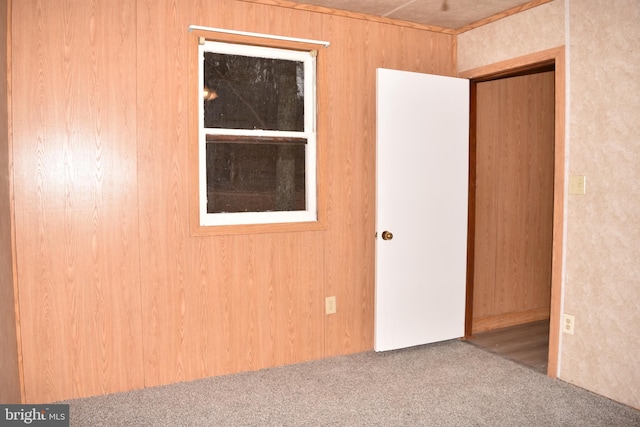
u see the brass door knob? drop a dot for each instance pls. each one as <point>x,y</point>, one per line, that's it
<point>387,235</point>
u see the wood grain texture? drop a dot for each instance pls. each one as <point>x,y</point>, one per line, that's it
<point>357,49</point>
<point>11,390</point>
<point>349,238</point>
<point>116,292</point>
<point>511,66</point>
<point>213,304</point>
<point>253,306</point>
<point>513,318</point>
<point>76,198</point>
<point>525,343</point>
<point>471,213</point>
<point>557,261</point>
<point>514,65</point>
<point>515,172</point>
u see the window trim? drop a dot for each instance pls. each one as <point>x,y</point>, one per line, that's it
<point>315,223</point>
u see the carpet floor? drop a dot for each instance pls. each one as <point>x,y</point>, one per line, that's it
<point>444,384</point>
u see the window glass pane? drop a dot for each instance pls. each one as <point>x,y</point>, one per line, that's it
<point>242,92</point>
<point>255,176</point>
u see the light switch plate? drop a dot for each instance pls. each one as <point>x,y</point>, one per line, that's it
<point>577,184</point>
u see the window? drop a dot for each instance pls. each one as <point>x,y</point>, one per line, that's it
<point>257,135</point>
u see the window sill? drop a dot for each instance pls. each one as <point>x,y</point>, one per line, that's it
<point>225,230</point>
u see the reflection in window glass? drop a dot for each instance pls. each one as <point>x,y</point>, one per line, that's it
<point>246,92</point>
<point>255,177</point>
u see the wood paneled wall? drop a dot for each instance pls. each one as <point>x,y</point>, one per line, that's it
<point>514,200</point>
<point>10,384</point>
<point>115,292</point>
<point>76,196</point>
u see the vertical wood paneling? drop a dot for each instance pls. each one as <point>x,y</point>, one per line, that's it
<point>514,196</point>
<point>76,197</point>
<point>215,304</point>
<point>357,49</point>
<point>162,138</point>
<point>11,388</point>
<point>487,172</point>
<point>117,293</point>
<point>263,309</point>
<point>540,153</point>
<point>349,214</point>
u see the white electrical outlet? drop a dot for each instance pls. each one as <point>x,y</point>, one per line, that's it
<point>568,324</point>
<point>330,305</point>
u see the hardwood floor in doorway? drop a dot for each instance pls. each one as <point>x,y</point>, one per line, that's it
<point>527,344</point>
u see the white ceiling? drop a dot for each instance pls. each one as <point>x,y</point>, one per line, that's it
<point>449,14</point>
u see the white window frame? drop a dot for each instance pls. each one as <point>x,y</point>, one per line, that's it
<point>310,214</point>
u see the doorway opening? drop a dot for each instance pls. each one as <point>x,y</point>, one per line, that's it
<point>527,344</point>
<point>516,205</point>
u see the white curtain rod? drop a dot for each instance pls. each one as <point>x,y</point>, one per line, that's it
<point>264,36</point>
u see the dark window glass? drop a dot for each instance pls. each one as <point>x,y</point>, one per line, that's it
<point>243,92</point>
<point>255,175</point>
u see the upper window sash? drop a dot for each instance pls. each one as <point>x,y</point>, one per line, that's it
<point>308,58</point>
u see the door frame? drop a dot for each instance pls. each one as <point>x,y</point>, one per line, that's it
<point>508,68</point>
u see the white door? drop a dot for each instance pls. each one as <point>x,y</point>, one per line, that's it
<point>422,193</point>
